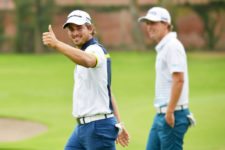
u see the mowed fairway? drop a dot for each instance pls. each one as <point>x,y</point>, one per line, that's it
<point>39,88</point>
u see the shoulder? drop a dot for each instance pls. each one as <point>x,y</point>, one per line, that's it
<point>94,48</point>
<point>175,45</point>
<point>98,52</point>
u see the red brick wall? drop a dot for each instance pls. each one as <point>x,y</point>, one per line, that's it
<point>102,2</point>
<point>9,23</point>
<point>191,30</point>
<point>9,31</point>
<point>7,5</point>
<point>114,29</point>
<point>124,2</point>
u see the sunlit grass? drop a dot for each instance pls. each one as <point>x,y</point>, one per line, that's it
<point>39,88</point>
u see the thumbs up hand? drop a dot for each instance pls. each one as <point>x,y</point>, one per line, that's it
<point>49,39</point>
<point>50,29</point>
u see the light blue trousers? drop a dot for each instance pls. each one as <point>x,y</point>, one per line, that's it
<point>164,137</point>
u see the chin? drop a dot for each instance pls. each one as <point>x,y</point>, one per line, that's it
<point>79,44</point>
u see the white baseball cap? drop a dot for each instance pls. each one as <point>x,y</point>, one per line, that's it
<point>157,14</point>
<point>78,17</point>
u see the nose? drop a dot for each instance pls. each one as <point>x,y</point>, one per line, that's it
<point>74,33</point>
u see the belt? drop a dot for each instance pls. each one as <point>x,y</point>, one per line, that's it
<point>163,109</point>
<point>88,119</point>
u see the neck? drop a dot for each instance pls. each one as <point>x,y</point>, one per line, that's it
<point>163,35</point>
<point>80,46</point>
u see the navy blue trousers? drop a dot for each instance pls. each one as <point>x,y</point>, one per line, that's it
<point>96,135</point>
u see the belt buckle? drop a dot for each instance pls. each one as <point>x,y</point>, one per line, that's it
<point>82,120</point>
<point>107,115</point>
<point>162,109</point>
<point>79,120</point>
<point>180,107</point>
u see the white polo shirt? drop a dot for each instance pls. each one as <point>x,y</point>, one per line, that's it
<point>91,93</point>
<point>171,57</point>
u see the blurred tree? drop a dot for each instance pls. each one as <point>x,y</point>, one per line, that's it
<point>137,34</point>
<point>44,13</point>
<point>25,31</point>
<point>33,17</point>
<point>171,8</point>
<point>211,15</point>
<point>2,36</point>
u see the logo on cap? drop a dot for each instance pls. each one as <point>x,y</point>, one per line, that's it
<point>78,17</point>
<point>157,14</point>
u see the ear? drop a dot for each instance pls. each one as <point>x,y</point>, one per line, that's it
<point>90,28</point>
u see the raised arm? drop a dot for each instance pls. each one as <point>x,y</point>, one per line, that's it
<point>76,55</point>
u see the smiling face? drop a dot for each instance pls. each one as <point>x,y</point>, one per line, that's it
<point>79,34</point>
<point>157,30</point>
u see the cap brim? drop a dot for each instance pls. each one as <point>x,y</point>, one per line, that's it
<point>149,18</point>
<point>74,20</point>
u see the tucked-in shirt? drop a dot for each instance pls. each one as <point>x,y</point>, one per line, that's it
<point>91,93</point>
<point>171,57</point>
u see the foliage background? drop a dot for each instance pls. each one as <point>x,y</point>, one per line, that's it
<point>30,19</point>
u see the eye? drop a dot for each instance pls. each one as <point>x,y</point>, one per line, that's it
<point>70,28</point>
<point>79,28</point>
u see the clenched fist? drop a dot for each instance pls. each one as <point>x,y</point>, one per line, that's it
<point>49,39</point>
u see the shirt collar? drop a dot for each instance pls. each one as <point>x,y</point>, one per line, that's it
<point>165,39</point>
<point>88,43</point>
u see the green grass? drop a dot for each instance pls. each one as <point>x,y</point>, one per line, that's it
<point>39,88</point>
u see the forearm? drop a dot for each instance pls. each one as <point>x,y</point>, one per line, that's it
<point>123,136</point>
<point>176,90</point>
<point>76,55</point>
<point>115,109</point>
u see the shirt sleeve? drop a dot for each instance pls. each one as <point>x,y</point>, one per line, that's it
<point>176,58</point>
<point>97,52</point>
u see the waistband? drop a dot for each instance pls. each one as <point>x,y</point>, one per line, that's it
<point>88,119</point>
<point>163,109</point>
